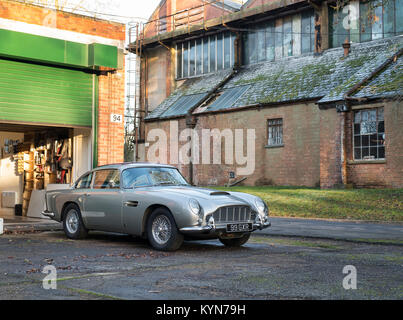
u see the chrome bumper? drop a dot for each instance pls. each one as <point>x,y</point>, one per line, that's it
<point>219,228</point>
<point>48,214</point>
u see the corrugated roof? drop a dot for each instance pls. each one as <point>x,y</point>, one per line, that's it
<point>227,98</point>
<point>190,86</point>
<point>182,105</point>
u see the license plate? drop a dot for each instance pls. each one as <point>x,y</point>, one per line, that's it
<point>239,227</point>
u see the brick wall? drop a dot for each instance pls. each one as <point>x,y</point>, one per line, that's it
<point>65,21</point>
<point>297,163</point>
<point>330,148</point>
<point>111,86</point>
<point>111,101</point>
<point>388,173</point>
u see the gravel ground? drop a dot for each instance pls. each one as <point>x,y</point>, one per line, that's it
<point>110,266</point>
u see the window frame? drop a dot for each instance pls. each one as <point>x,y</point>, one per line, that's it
<point>95,173</point>
<point>91,173</point>
<point>277,125</point>
<point>354,135</point>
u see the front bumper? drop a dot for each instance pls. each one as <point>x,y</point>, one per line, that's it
<point>212,228</point>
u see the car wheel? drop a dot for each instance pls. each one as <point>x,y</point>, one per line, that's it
<point>73,224</point>
<point>236,242</point>
<point>162,231</point>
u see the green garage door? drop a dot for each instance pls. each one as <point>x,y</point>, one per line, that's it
<point>33,93</point>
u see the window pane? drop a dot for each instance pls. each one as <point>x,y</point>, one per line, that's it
<point>270,41</point>
<point>261,48</point>
<point>381,127</point>
<point>296,35</point>
<point>179,60</point>
<point>287,31</point>
<point>377,21</point>
<point>365,140</point>
<point>107,179</point>
<point>192,56</point>
<point>373,152</point>
<point>220,51</point>
<point>365,22</point>
<point>389,18</point>
<point>279,39</point>
<point>212,53</point>
<point>185,59</point>
<point>199,57</point>
<point>205,55</point>
<point>251,50</point>
<point>381,152</point>
<point>357,153</point>
<point>306,32</point>
<point>227,50</point>
<point>312,32</point>
<point>399,16</point>
<point>357,141</point>
<point>337,32</point>
<point>233,37</point>
<point>365,153</point>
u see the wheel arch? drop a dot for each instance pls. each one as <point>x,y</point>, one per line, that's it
<point>147,214</point>
<point>63,211</point>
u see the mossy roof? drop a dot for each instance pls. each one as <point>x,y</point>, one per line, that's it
<point>324,78</point>
<point>388,83</point>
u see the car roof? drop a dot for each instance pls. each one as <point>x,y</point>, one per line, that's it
<point>127,165</point>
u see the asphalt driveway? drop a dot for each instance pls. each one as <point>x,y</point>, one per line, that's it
<point>109,266</point>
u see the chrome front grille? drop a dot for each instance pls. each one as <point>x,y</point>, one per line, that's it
<point>234,214</point>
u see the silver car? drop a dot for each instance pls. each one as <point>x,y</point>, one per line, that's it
<point>155,202</point>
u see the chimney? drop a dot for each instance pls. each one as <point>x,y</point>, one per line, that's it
<point>346,47</point>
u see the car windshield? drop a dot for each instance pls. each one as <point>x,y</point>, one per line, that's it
<point>148,177</point>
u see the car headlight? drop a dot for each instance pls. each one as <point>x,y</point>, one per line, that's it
<point>261,207</point>
<point>194,207</point>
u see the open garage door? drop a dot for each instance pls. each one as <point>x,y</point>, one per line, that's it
<point>41,94</point>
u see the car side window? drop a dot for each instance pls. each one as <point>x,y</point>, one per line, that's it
<point>84,182</point>
<point>107,179</point>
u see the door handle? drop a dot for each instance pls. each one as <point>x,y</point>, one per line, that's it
<point>88,194</point>
<point>131,203</point>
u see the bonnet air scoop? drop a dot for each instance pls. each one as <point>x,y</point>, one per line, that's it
<point>219,193</point>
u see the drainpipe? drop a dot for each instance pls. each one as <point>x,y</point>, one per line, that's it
<point>191,119</point>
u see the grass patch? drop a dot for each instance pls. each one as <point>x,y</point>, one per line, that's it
<point>350,204</point>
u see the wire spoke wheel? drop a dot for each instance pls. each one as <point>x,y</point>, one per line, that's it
<point>161,229</point>
<point>72,221</point>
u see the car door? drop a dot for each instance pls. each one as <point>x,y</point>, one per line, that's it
<point>103,202</point>
<point>135,185</point>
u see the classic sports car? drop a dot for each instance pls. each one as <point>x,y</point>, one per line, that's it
<point>155,202</point>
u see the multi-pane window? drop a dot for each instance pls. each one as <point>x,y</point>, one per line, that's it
<point>369,134</point>
<point>282,37</point>
<point>205,55</point>
<point>275,132</point>
<point>362,21</point>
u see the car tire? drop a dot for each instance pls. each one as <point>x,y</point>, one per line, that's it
<point>236,242</point>
<point>73,225</point>
<point>162,232</point>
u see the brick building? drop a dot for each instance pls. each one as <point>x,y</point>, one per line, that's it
<point>321,88</point>
<point>61,80</point>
